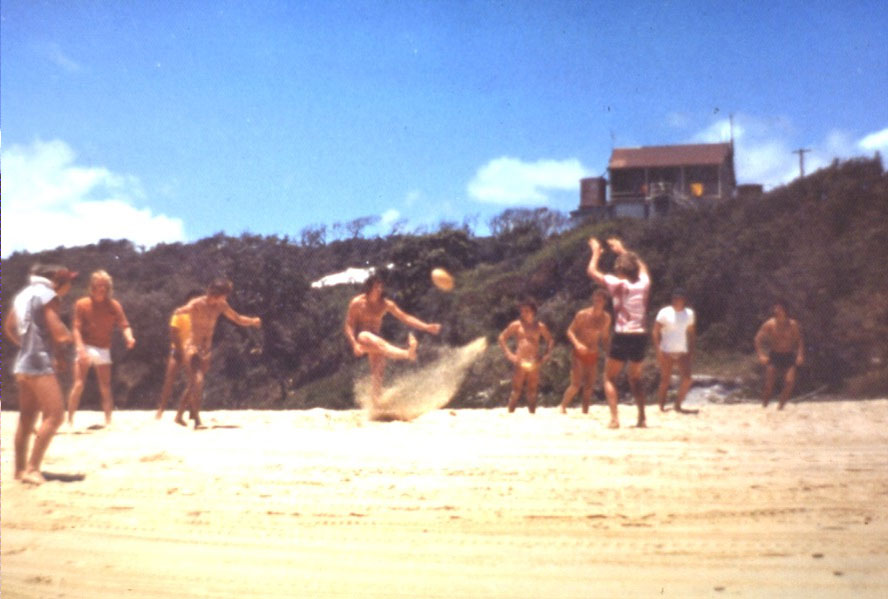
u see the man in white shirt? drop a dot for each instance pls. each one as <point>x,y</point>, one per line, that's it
<point>629,287</point>
<point>674,337</point>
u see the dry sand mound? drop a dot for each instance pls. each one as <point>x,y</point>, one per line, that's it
<point>428,388</point>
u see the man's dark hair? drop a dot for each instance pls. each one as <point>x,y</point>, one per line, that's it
<point>220,287</point>
<point>528,303</point>
<point>782,303</point>
<point>54,272</point>
<point>373,280</point>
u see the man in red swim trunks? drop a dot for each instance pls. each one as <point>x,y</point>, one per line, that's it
<point>589,329</point>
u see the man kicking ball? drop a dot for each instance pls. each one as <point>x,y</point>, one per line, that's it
<point>363,322</point>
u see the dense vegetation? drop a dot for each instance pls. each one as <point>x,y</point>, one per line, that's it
<point>820,243</point>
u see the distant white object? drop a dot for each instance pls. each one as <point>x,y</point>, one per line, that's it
<point>349,276</point>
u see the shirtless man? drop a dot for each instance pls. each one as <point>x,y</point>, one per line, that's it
<point>180,333</point>
<point>95,317</point>
<point>589,329</point>
<point>786,352</point>
<point>204,311</point>
<point>527,331</point>
<point>363,322</point>
<point>629,287</point>
<point>34,326</point>
<point>674,338</point>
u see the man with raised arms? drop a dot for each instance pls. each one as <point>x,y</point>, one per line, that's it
<point>203,312</point>
<point>363,322</point>
<point>527,331</point>
<point>589,329</point>
<point>781,336</point>
<point>629,287</point>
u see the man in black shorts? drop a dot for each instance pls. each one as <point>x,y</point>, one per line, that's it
<point>629,287</point>
<point>782,336</point>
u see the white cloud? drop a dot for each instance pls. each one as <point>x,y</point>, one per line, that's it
<point>49,201</point>
<point>389,216</point>
<point>765,150</point>
<point>510,181</point>
<point>875,142</point>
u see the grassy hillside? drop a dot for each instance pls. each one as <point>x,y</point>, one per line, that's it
<point>820,243</point>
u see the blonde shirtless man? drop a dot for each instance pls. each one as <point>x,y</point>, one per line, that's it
<point>363,322</point>
<point>527,331</point>
<point>95,317</point>
<point>781,336</point>
<point>589,330</point>
<point>204,311</point>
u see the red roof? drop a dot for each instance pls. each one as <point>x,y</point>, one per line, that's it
<point>654,156</point>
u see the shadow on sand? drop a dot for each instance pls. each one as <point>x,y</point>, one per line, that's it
<point>63,477</point>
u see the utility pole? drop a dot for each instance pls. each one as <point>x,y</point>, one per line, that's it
<point>801,152</point>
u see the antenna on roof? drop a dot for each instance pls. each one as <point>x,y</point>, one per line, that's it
<point>731,121</point>
<point>613,139</point>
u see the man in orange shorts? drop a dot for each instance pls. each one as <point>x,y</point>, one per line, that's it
<point>589,330</point>
<point>95,317</point>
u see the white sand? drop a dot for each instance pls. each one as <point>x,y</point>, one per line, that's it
<point>735,501</point>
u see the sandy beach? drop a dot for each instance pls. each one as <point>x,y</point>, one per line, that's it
<point>734,501</point>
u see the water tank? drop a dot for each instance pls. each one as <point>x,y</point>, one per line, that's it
<point>592,192</point>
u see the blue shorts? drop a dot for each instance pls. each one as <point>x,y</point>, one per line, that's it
<point>34,364</point>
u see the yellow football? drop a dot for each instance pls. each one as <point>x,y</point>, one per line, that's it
<point>442,279</point>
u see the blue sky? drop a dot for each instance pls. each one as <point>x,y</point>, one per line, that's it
<point>156,122</point>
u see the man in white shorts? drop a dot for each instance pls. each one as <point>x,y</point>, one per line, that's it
<point>95,317</point>
<point>674,337</point>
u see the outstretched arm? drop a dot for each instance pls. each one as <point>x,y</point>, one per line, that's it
<point>241,320</point>
<point>412,321</point>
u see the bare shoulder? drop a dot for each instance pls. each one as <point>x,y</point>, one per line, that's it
<point>512,327</point>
